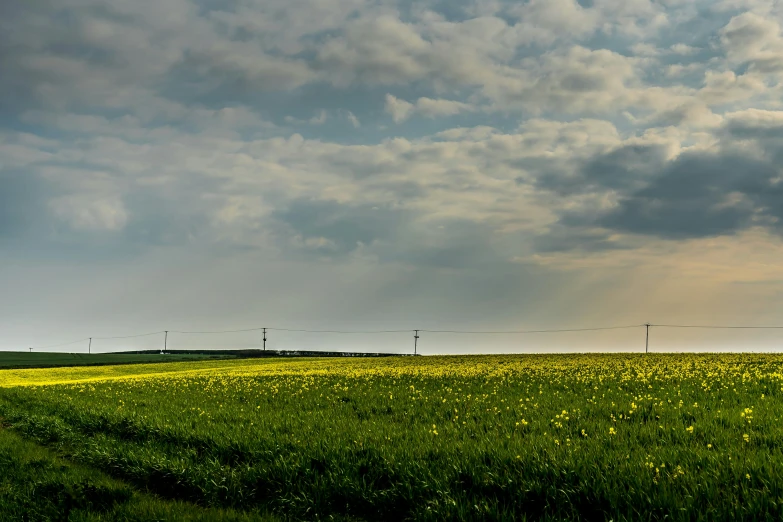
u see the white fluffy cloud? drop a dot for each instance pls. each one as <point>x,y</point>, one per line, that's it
<point>401,110</point>
<point>755,40</point>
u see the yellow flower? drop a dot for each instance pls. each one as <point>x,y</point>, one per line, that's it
<point>612,431</point>
<point>689,429</point>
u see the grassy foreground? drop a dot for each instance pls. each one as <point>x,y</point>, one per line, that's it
<point>37,485</point>
<point>578,437</point>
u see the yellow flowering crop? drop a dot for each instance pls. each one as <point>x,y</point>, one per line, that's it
<point>445,428</point>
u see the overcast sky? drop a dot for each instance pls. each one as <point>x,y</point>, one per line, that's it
<point>381,164</point>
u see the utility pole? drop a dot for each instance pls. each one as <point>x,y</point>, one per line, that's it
<point>166,342</point>
<point>89,346</point>
<point>647,339</point>
<point>264,339</point>
<point>415,341</point>
<point>31,349</point>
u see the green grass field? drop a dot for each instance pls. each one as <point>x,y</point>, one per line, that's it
<point>550,437</point>
<point>36,484</point>
<point>55,359</point>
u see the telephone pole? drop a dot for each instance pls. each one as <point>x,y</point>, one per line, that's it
<point>415,341</point>
<point>166,342</point>
<point>264,339</point>
<point>647,339</point>
<point>89,346</point>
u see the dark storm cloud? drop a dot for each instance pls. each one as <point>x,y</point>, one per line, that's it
<point>47,59</point>
<point>753,130</point>
<point>676,219</point>
<point>564,238</point>
<point>622,169</point>
<point>19,85</point>
<point>696,195</point>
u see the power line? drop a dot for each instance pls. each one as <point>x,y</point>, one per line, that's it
<point>341,331</point>
<point>534,331</point>
<point>218,331</point>
<point>130,336</point>
<point>556,330</point>
<point>62,344</point>
<point>409,331</point>
<point>293,330</point>
<point>715,326</point>
<point>97,338</point>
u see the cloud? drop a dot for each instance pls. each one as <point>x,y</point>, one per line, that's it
<point>658,191</point>
<point>561,238</point>
<point>434,108</point>
<point>377,51</point>
<point>726,87</point>
<point>401,110</point>
<point>681,48</point>
<point>339,228</point>
<point>753,39</point>
<point>87,212</point>
<point>695,195</point>
<point>141,56</point>
<point>106,56</point>
<point>576,80</point>
<point>598,136</point>
<point>635,186</point>
<point>544,22</point>
<point>320,119</point>
<point>22,203</point>
<point>691,114</point>
<point>755,123</point>
<point>620,169</point>
<point>238,71</point>
<point>353,119</point>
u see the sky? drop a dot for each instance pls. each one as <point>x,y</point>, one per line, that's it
<point>391,165</point>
